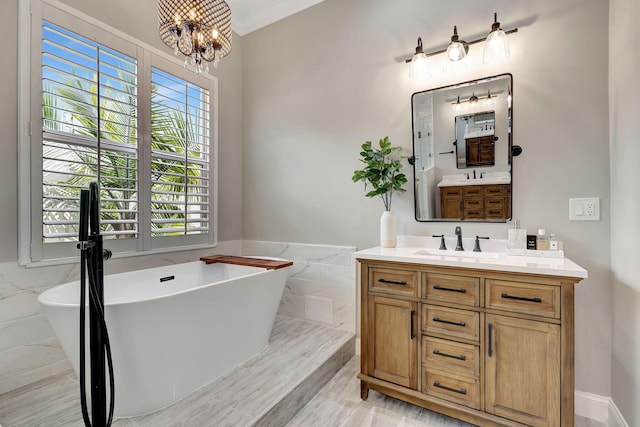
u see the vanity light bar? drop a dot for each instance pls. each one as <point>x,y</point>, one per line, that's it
<point>438,52</point>
<point>490,95</point>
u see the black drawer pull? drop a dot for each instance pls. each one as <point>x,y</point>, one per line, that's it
<point>393,282</point>
<point>442,288</point>
<point>449,322</point>
<point>461,357</point>
<point>455,390</point>
<point>506,296</point>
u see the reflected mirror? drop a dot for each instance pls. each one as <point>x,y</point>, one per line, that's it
<point>462,139</point>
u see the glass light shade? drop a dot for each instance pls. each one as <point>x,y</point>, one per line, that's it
<point>419,68</point>
<point>496,48</point>
<point>456,51</point>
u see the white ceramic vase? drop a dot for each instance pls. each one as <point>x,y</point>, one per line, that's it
<point>388,229</point>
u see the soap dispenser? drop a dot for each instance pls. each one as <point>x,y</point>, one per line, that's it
<point>517,237</point>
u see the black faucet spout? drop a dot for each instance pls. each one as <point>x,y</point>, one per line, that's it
<point>458,233</point>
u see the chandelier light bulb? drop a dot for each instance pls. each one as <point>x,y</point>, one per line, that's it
<point>201,31</point>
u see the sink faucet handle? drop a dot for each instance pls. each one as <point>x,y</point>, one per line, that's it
<point>476,248</point>
<point>443,247</point>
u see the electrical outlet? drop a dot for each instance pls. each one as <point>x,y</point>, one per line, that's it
<point>585,209</point>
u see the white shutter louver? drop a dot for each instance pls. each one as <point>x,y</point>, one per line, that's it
<point>180,172</point>
<point>86,87</point>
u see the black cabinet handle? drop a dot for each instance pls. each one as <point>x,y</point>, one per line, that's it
<point>449,322</point>
<point>393,282</point>
<point>455,390</point>
<point>442,288</point>
<point>413,314</point>
<point>490,340</point>
<point>507,296</point>
<point>461,357</point>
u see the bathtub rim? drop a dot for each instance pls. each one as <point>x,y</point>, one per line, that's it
<point>45,300</point>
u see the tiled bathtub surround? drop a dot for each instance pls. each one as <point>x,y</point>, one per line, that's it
<point>321,285</point>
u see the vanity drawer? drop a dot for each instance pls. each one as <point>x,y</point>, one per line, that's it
<point>398,282</point>
<point>527,298</point>
<point>451,356</point>
<point>451,321</point>
<point>454,289</point>
<point>473,203</point>
<point>499,213</point>
<point>473,190</point>
<point>451,191</point>
<point>474,213</point>
<point>452,387</point>
<point>494,202</point>
<point>494,190</point>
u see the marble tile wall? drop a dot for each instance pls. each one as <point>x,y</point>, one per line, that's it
<point>29,350</point>
<point>321,285</point>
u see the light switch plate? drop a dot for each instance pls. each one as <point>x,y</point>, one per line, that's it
<point>584,209</point>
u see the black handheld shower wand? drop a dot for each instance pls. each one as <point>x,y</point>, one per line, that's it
<point>92,255</point>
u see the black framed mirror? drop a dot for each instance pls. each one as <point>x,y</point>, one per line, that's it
<point>462,151</point>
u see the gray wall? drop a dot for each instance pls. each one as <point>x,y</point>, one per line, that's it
<point>320,83</point>
<point>624,110</point>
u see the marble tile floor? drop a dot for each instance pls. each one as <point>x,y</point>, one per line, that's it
<point>338,404</point>
<point>267,390</point>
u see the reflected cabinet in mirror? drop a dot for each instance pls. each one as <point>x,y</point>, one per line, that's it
<point>462,139</point>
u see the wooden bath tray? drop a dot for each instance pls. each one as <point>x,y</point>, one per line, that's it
<point>269,264</point>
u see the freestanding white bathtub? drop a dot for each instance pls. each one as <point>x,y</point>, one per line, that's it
<point>173,329</point>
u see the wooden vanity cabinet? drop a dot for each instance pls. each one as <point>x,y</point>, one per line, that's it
<point>475,201</point>
<point>480,151</point>
<point>487,347</point>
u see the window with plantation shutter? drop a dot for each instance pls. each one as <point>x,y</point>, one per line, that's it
<point>96,105</point>
<point>180,176</point>
<point>90,133</point>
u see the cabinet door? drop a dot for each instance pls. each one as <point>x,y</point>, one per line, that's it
<point>392,340</point>
<point>451,202</point>
<point>523,370</point>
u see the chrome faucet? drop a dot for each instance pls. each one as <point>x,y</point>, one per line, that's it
<point>459,235</point>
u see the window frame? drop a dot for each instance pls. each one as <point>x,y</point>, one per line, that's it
<point>32,251</point>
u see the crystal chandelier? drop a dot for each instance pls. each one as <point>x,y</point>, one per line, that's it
<point>198,29</point>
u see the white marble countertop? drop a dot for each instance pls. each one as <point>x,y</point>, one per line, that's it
<point>489,178</point>
<point>499,260</point>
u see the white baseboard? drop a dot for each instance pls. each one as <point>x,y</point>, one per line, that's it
<point>615,417</point>
<point>598,408</point>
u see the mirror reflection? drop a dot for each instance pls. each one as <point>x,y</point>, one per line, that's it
<point>462,138</point>
<point>475,139</point>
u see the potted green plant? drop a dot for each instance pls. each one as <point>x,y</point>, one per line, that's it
<point>381,172</point>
